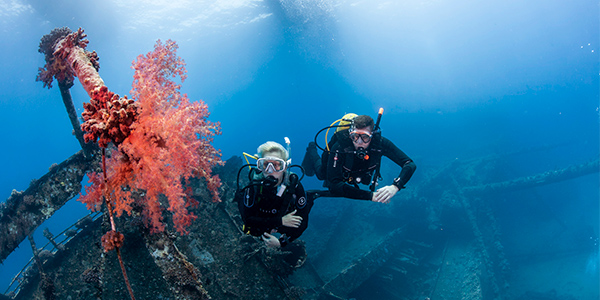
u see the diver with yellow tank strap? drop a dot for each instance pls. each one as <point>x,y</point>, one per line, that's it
<point>273,205</point>
<point>312,160</point>
<point>353,157</point>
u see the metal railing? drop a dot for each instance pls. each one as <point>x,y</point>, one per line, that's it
<point>54,243</point>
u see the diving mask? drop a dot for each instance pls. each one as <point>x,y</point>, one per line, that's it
<point>270,165</point>
<point>365,136</point>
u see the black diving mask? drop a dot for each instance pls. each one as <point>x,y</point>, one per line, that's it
<point>363,135</point>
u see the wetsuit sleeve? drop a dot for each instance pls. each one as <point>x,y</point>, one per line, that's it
<point>400,158</point>
<point>303,207</point>
<point>249,210</point>
<point>335,176</point>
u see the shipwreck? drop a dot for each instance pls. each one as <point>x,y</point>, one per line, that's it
<point>438,239</point>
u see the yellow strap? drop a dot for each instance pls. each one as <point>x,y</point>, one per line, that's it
<point>245,229</point>
<point>327,133</point>
<point>246,157</point>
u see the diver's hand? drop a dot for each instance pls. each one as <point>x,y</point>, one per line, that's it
<point>291,220</point>
<point>271,240</point>
<point>385,193</point>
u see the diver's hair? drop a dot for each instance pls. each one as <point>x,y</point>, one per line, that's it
<point>364,121</point>
<point>270,147</point>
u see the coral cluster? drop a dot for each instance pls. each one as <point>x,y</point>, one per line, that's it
<point>107,118</point>
<point>54,68</point>
<point>168,143</point>
<point>112,239</point>
<point>56,47</point>
<point>83,63</point>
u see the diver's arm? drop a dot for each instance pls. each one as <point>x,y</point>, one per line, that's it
<point>303,207</point>
<point>400,158</point>
<point>337,186</point>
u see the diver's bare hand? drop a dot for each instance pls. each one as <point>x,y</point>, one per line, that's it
<point>291,220</point>
<point>271,240</point>
<point>385,193</point>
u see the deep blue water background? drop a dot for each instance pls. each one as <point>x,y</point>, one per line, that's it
<point>457,79</point>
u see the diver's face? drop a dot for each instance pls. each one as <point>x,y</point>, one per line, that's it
<point>277,174</point>
<point>361,138</point>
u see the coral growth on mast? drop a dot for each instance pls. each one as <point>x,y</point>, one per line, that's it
<point>168,141</point>
<point>66,57</point>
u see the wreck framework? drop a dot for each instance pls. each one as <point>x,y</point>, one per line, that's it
<point>224,257</point>
<point>453,250</point>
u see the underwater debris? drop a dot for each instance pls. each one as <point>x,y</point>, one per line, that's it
<point>417,269</point>
<point>91,275</point>
<point>182,276</point>
<point>50,237</point>
<point>23,212</point>
<point>548,177</point>
<point>46,283</point>
<point>365,266</point>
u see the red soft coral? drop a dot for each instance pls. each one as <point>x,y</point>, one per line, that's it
<point>107,118</point>
<point>169,142</point>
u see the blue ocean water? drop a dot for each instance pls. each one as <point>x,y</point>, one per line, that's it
<point>457,79</point>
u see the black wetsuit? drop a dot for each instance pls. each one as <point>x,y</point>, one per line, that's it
<point>261,210</point>
<point>345,170</point>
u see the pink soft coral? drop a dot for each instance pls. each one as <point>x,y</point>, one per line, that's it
<point>169,142</point>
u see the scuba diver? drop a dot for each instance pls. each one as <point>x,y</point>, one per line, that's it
<point>274,201</point>
<point>353,157</point>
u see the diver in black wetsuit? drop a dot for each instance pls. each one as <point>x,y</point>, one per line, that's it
<point>274,201</point>
<point>354,158</point>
